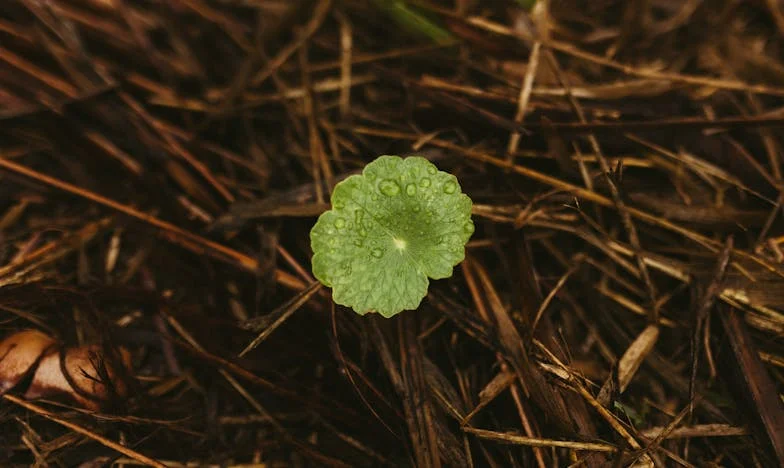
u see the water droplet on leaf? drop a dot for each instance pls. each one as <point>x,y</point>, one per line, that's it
<point>378,253</point>
<point>389,187</point>
<point>425,182</point>
<point>340,223</point>
<point>411,189</point>
<point>450,187</point>
<point>431,169</point>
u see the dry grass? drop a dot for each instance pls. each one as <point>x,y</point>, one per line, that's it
<point>622,300</point>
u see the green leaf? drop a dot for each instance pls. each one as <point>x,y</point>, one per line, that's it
<point>390,229</point>
<point>527,4</point>
<point>414,20</point>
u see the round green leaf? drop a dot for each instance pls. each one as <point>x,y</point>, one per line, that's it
<point>390,229</point>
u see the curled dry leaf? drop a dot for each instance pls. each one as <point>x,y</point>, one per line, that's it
<point>82,373</point>
<point>19,353</point>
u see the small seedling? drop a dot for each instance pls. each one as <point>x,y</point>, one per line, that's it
<point>391,228</point>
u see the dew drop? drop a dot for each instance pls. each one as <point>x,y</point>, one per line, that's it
<point>468,227</point>
<point>329,230</point>
<point>378,253</point>
<point>340,223</point>
<point>450,187</point>
<point>431,169</point>
<point>425,182</point>
<point>338,204</point>
<point>417,208</point>
<point>411,190</point>
<point>389,187</point>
